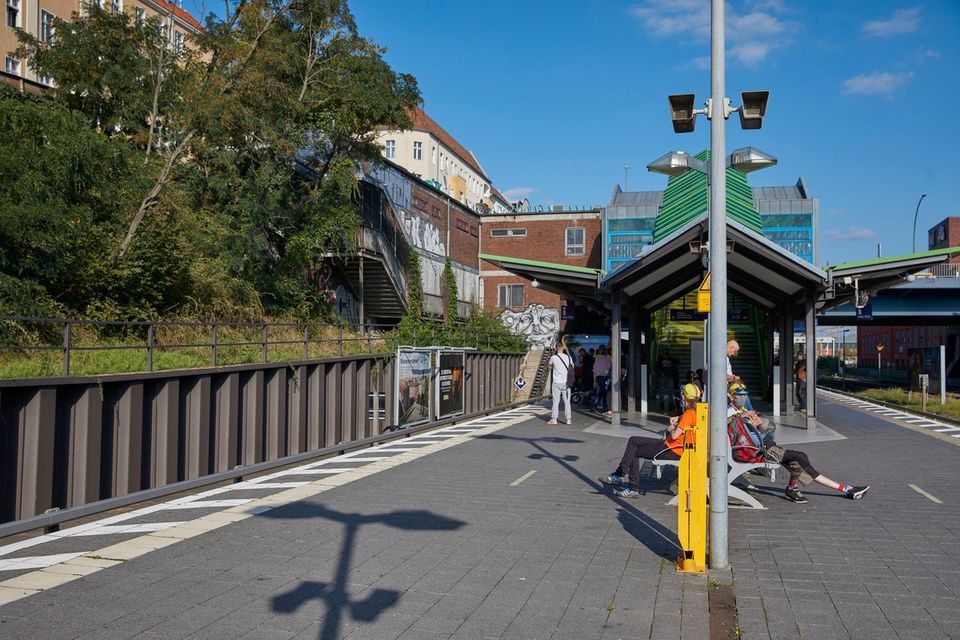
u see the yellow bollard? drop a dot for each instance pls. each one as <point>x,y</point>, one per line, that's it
<point>692,498</point>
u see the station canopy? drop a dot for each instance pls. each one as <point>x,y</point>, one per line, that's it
<point>757,268</point>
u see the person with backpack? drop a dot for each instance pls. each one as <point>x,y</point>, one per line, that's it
<point>563,380</point>
<point>751,440</point>
<point>602,366</point>
<point>626,479</point>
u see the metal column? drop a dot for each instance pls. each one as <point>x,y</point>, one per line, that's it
<point>633,360</point>
<point>615,372</point>
<point>810,320</point>
<point>717,344</point>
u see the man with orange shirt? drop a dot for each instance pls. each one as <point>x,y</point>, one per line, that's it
<point>649,448</point>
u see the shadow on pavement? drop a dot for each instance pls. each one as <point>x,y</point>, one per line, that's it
<point>645,529</point>
<point>335,594</point>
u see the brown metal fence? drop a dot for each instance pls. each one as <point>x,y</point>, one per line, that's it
<point>69,442</point>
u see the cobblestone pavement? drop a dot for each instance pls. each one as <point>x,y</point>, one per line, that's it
<point>887,566</point>
<point>499,529</point>
<point>493,530</point>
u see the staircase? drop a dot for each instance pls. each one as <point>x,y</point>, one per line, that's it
<point>676,336</point>
<point>528,371</point>
<point>540,386</point>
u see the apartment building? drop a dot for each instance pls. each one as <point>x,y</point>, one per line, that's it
<point>433,155</point>
<point>37,18</point>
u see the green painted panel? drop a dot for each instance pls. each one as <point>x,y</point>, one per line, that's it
<point>687,198</point>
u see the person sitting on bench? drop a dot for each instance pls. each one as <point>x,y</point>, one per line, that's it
<point>796,462</point>
<point>628,471</point>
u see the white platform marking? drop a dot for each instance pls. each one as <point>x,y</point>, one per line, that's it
<point>522,478</point>
<point>925,494</point>
<point>145,527</point>
<point>37,562</point>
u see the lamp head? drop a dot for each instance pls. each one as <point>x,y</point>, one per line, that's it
<point>753,106</point>
<point>681,112</point>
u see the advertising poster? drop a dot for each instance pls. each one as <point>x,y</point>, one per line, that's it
<point>449,383</point>
<point>925,360</point>
<point>413,387</point>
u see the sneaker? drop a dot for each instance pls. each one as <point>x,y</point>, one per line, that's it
<point>613,479</point>
<point>626,492</point>
<point>794,495</point>
<point>857,492</point>
<point>569,421</point>
<point>551,422</point>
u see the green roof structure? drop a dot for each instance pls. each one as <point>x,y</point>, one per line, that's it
<point>875,262</point>
<point>687,197</point>
<point>537,263</point>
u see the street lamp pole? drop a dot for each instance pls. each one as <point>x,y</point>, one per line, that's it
<point>915,214</point>
<point>717,393</point>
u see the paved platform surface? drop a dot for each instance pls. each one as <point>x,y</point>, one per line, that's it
<point>499,529</point>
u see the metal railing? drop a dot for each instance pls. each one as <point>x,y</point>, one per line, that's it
<point>243,342</point>
<point>949,270</point>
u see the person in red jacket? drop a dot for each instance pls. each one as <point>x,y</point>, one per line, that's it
<point>626,478</point>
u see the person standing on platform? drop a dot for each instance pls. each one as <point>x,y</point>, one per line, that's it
<point>562,367</point>
<point>733,348</point>
<point>601,375</point>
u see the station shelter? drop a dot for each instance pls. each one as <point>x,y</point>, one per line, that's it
<point>650,298</point>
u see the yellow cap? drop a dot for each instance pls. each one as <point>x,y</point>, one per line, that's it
<point>691,392</point>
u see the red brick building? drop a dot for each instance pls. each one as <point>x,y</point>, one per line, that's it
<point>945,233</point>
<point>898,339</point>
<point>558,236</point>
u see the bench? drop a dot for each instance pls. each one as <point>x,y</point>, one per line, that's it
<point>735,469</point>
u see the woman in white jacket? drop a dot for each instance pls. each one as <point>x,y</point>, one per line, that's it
<point>562,367</point>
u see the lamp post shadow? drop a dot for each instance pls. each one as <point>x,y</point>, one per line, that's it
<point>334,594</point>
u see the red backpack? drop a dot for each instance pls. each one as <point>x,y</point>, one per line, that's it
<point>743,446</point>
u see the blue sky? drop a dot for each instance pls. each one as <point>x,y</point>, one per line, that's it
<point>555,97</point>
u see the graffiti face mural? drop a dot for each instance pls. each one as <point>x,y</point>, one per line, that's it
<point>536,323</point>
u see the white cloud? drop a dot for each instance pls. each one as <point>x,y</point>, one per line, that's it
<point>518,193</point>
<point>876,83</point>
<point>851,234</point>
<point>902,21</point>
<point>750,35</point>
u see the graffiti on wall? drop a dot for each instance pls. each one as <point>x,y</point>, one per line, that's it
<point>538,324</point>
<point>423,234</point>
<point>335,292</point>
<point>395,184</point>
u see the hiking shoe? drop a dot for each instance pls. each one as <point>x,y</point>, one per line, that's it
<point>613,479</point>
<point>551,422</point>
<point>857,492</point>
<point>794,495</point>
<point>626,492</point>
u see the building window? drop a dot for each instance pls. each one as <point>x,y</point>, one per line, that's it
<point>46,26</point>
<point>13,14</point>
<point>178,42</point>
<point>574,245</point>
<point>508,233</point>
<point>509,295</point>
<point>12,66</point>
<point>46,80</point>
<point>391,148</point>
<point>418,151</point>
<point>116,6</point>
<point>139,15</point>
<point>433,155</point>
